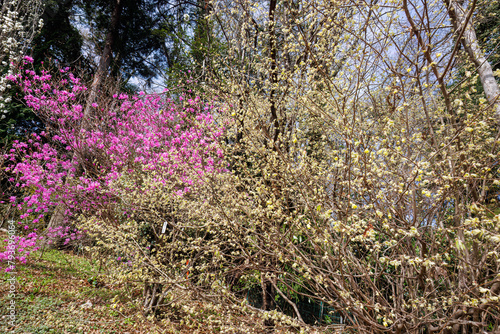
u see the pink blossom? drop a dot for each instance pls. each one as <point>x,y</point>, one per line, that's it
<point>145,132</point>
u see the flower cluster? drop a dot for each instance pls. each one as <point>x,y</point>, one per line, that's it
<point>19,21</point>
<point>21,247</point>
<point>75,163</point>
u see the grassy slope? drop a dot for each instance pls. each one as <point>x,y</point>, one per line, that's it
<point>52,290</point>
<point>53,287</point>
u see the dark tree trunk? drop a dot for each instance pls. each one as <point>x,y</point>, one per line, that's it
<point>267,286</point>
<point>267,298</point>
<point>57,218</point>
<point>274,74</point>
<point>152,297</point>
<point>107,54</point>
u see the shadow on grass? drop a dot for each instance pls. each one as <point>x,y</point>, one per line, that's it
<point>53,295</point>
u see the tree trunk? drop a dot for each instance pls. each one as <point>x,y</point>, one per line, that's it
<point>106,56</point>
<point>273,74</point>
<point>152,297</point>
<point>463,27</point>
<point>267,298</point>
<point>104,63</point>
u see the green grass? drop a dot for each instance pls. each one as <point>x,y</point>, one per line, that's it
<point>51,290</point>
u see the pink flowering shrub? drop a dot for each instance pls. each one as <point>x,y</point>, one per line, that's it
<point>75,162</point>
<point>20,248</point>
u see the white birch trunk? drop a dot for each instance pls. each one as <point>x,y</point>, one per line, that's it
<point>457,13</point>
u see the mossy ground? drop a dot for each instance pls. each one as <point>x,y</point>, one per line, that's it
<point>63,292</point>
<point>55,287</point>
<point>57,293</point>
